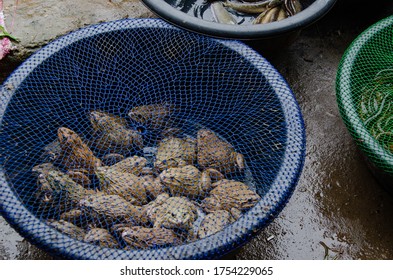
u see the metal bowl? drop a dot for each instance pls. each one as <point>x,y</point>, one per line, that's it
<point>170,11</point>
<point>219,84</point>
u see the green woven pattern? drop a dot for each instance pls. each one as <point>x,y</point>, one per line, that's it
<point>364,88</point>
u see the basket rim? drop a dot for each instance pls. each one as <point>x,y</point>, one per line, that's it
<point>367,143</point>
<point>231,237</point>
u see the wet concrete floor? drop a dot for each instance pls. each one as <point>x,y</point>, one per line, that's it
<point>338,210</point>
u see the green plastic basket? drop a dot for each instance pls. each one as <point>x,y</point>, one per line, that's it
<point>364,87</point>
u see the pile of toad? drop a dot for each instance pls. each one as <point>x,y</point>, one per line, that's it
<point>125,201</point>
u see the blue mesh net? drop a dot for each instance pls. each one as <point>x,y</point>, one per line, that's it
<point>137,140</point>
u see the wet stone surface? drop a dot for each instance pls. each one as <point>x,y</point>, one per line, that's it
<point>338,210</point>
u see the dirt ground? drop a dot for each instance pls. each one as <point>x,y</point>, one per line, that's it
<point>338,210</point>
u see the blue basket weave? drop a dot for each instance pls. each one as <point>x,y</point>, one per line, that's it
<point>222,85</point>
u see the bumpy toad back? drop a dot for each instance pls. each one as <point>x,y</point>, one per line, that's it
<point>113,135</point>
<point>127,185</point>
<point>142,237</point>
<point>228,194</point>
<point>175,213</point>
<point>101,237</point>
<point>58,193</point>
<point>109,209</point>
<point>175,152</point>
<point>68,229</point>
<point>75,154</point>
<point>153,116</point>
<point>213,152</point>
<point>214,222</point>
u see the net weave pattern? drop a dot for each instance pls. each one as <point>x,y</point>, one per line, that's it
<point>364,87</point>
<point>103,122</point>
